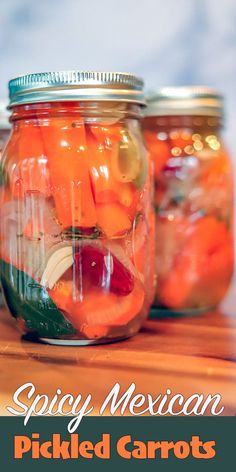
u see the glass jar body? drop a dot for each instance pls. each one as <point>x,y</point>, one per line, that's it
<point>194,211</point>
<point>76,222</point>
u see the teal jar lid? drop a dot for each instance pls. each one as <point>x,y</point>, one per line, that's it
<point>76,85</point>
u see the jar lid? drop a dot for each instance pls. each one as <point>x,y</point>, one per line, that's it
<point>76,85</point>
<point>187,100</point>
<point>4,115</point>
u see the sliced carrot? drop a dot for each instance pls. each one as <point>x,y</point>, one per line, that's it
<point>174,290</point>
<point>104,185</point>
<point>128,195</point>
<point>133,205</point>
<point>215,277</point>
<point>113,219</point>
<point>208,235</point>
<point>106,188</point>
<point>113,310</point>
<point>170,241</point>
<point>34,175</point>
<point>61,294</point>
<point>94,332</point>
<point>98,308</point>
<point>217,172</point>
<point>68,164</point>
<point>208,253</point>
<point>30,141</point>
<point>32,168</point>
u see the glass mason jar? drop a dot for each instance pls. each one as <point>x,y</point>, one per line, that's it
<point>77,232</point>
<point>193,198</point>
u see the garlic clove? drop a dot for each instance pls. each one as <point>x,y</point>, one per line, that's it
<point>59,270</point>
<point>54,260</point>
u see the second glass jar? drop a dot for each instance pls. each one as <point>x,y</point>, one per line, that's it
<point>193,198</point>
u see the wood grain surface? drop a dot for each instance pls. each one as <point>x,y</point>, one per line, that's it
<point>186,354</point>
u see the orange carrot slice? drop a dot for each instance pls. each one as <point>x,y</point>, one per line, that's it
<point>30,171</point>
<point>122,311</point>
<point>206,249</point>
<point>61,294</point>
<point>217,172</point>
<point>106,188</point>
<point>94,332</point>
<point>112,219</point>
<point>32,167</point>
<point>97,307</point>
<point>68,164</point>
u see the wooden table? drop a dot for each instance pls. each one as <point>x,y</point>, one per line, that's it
<point>187,355</point>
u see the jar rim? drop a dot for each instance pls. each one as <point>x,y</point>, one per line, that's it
<point>185,100</point>
<point>75,85</point>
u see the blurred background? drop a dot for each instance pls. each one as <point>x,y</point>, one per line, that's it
<point>166,42</point>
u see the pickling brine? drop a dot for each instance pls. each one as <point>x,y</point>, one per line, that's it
<point>77,226</point>
<point>193,198</point>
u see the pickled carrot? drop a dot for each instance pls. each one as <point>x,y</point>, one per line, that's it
<point>217,172</point>
<point>26,175</point>
<point>98,308</point>
<point>106,188</point>
<point>61,294</point>
<point>112,219</point>
<point>113,310</point>
<point>30,142</point>
<point>94,332</point>
<point>207,253</point>
<point>31,169</point>
<point>159,151</point>
<point>69,174</point>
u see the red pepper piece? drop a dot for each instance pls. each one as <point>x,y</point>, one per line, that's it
<point>103,269</point>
